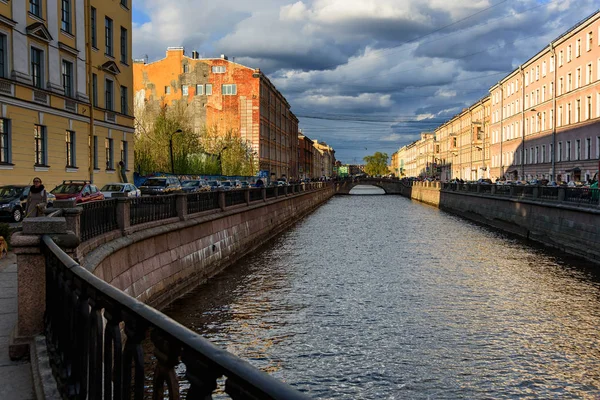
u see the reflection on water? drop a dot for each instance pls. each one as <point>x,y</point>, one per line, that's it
<point>378,297</point>
<point>366,190</point>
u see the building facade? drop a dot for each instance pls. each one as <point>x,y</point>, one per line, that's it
<point>324,160</point>
<point>65,68</point>
<point>305,157</point>
<point>225,96</point>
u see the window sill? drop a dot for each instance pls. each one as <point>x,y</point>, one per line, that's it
<point>109,56</point>
<point>36,17</point>
<point>124,63</point>
<point>94,48</point>
<point>97,171</point>
<point>41,168</point>
<point>110,171</point>
<point>71,169</point>
<point>6,166</point>
<point>67,33</point>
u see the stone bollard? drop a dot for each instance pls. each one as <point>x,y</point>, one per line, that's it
<point>561,194</point>
<point>478,188</point>
<point>276,191</point>
<point>512,191</point>
<point>264,193</point>
<point>285,191</point>
<point>537,190</point>
<point>222,203</point>
<point>247,196</point>
<point>31,278</point>
<point>493,190</point>
<point>123,214</point>
<point>181,206</point>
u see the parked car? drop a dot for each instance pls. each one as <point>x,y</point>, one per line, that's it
<point>197,185</point>
<point>13,201</point>
<point>162,185</point>
<point>128,189</point>
<point>227,185</point>
<point>80,191</point>
<point>483,181</point>
<point>214,185</point>
<point>244,184</point>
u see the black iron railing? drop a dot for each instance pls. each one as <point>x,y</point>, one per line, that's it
<point>235,197</point>
<point>152,208</point>
<point>98,217</point>
<point>202,201</point>
<point>271,192</point>
<point>256,194</point>
<point>91,358</point>
<point>548,193</point>
<point>485,189</point>
<point>581,195</point>
<point>503,190</point>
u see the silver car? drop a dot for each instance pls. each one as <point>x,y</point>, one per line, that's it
<point>128,189</point>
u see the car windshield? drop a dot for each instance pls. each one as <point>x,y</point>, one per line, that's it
<point>213,183</point>
<point>155,182</point>
<point>190,183</point>
<point>67,189</point>
<point>112,188</point>
<point>226,183</point>
<point>10,191</point>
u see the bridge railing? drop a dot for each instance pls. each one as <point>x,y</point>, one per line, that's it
<point>94,334</point>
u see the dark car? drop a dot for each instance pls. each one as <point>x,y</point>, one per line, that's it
<point>192,186</point>
<point>156,186</point>
<point>13,201</point>
<point>80,191</point>
<point>214,185</point>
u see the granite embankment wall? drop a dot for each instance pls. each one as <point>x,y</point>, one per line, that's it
<point>572,228</point>
<point>159,264</point>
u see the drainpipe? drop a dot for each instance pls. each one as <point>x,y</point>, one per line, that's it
<point>471,141</point>
<point>522,122</point>
<point>554,94</point>
<point>501,129</point>
<point>88,34</point>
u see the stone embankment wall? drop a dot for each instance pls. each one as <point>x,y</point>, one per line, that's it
<point>568,227</point>
<point>160,264</point>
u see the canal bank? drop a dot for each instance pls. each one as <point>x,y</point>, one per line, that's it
<point>545,215</point>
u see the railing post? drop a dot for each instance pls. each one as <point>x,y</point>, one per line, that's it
<point>536,192</point>
<point>31,278</point>
<point>561,194</point>
<point>123,214</point>
<point>511,191</point>
<point>247,196</point>
<point>181,206</point>
<point>285,191</point>
<point>478,187</point>
<point>276,191</point>
<point>264,193</point>
<point>222,203</point>
<point>493,191</point>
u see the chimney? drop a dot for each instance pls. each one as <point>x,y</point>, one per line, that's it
<point>195,55</point>
<point>224,57</point>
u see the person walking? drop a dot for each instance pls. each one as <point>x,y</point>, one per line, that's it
<point>123,172</point>
<point>36,199</point>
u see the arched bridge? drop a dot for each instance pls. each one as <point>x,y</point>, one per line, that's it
<point>390,186</point>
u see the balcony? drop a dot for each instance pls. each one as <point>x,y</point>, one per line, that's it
<point>6,88</point>
<point>39,96</point>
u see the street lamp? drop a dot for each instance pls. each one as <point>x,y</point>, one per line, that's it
<point>171,149</point>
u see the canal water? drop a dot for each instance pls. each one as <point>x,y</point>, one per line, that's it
<point>379,297</point>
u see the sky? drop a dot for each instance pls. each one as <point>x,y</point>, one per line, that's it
<point>363,75</point>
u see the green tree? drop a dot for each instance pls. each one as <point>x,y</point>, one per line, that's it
<point>376,164</point>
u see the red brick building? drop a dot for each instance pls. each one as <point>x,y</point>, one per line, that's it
<point>227,96</point>
<point>305,156</point>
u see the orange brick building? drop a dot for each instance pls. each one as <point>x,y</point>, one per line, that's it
<point>228,96</point>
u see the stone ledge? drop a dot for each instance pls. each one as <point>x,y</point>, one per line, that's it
<point>41,371</point>
<point>44,225</point>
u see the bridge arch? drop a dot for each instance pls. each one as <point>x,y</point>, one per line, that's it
<point>389,186</point>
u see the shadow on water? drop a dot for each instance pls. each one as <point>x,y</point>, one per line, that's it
<point>378,297</point>
<point>366,190</point>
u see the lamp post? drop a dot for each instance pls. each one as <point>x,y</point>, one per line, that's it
<point>171,149</point>
<point>221,162</point>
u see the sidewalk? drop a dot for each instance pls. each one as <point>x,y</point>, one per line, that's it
<point>15,377</point>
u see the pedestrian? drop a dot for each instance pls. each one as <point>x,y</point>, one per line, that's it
<point>123,172</point>
<point>36,199</point>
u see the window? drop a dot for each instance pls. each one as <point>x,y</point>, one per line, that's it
<point>40,145</point>
<point>5,142</point>
<point>124,101</point>
<point>65,18</point>
<point>560,86</point>
<point>590,40</point>
<point>578,48</point>
<point>598,147</point>
<point>124,50</point>
<point>186,68</point>
<point>537,72</point>
<point>229,90</point>
<point>35,7</point>
<point>551,89</point>
<point>569,53</point>
<point>110,162</point>
<point>67,78</point>
<point>96,152</point>
<point>124,150</point>
<point>559,154</point>
<point>551,150</point>
<point>568,118</point>
<point>544,68</point>
<point>124,3</point>
<point>568,151</point>
<point>560,58</point>
<point>93,28</point>
<point>184,89</point>
<point>552,64</point>
<point>218,69</point>
<point>70,141</point>
<point>3,54</point>
<point>543,157</point>
<point>199,90</point>
<point>560,114</point>
<point>167,89</point>
<point>108,36</point>
<point>588,76</point>
<point>108,94</point>
<point>578,79</point>
<point>588,148</point>
<point>537,155</point>
<point>578,110</point>
<point>588,108</point>
<point>578,149</point>
<point>543,93</point>
<point>37,67</point>
<point>526,78</point>
<point>208,89</point>
<point>544,120</point>
<point>95,90</point>
<point>569,82</point>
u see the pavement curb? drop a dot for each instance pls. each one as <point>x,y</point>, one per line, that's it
<point>44,383</point>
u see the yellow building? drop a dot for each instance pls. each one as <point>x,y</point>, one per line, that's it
<point>55,58</point>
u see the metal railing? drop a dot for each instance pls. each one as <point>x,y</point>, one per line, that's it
<point>548,193</point>
<point>235,197</point>
<point>271,192</point>
<point>503,190</point>
<point>152,208</point>
<point>255,194</point>
<point>98,217</point>
<point>581,195</point>
<point>202,201</point>
<point>91,358</point>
